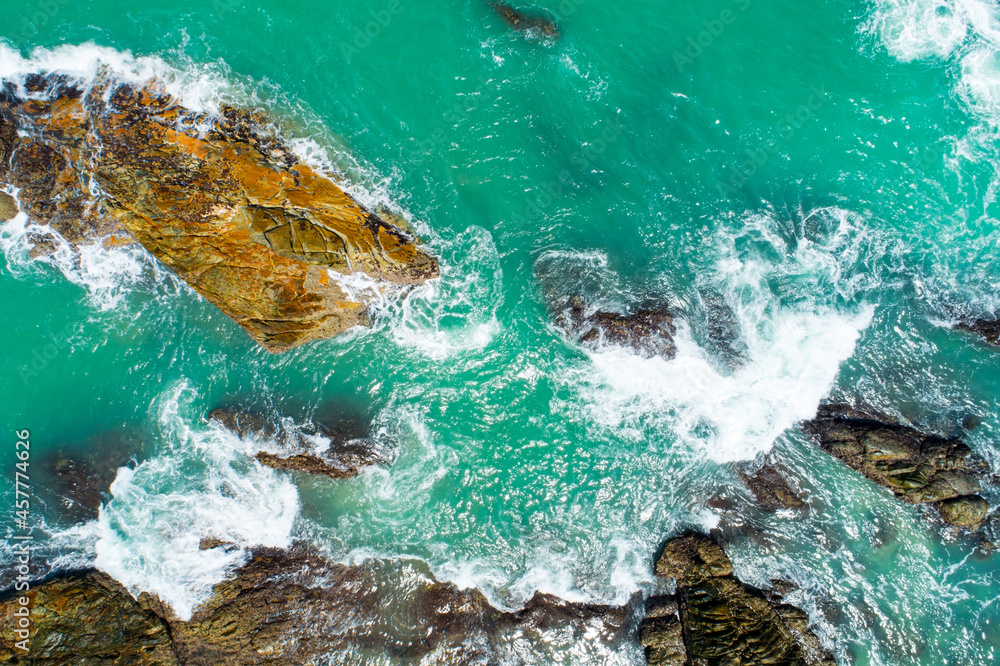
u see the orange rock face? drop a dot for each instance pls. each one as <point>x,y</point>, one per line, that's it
<point>224,205</point>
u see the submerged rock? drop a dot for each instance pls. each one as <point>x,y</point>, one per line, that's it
<point>347,451</point>
<point>78,475</point>
<point>918,468</point>
<point>771,489</point>
<point>218,200</point>
<point>713,618</point>
<point>532,24</point>
<point>291,607</point>
<point>722,330</point>
<point>988,330</point>
<point>647,331</point>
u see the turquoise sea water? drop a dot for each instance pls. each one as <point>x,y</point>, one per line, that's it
<point>828,170</point>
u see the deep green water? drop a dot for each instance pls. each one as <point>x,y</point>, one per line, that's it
<point>618,162</point>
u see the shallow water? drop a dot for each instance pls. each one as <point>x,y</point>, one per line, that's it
<point>827,170</point>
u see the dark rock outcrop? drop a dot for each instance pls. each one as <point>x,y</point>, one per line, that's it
<point>647,331</point>
<point>218,200</point>
<point>346,455</point>
<point>291,607</point>
<point>918,468</point>
<point>532,24</point>
<point>988,330</point>
<point>713,618</point>
<point>771,489</point>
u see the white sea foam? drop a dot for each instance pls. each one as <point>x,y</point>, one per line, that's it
<point>915,29</point>
<point>795,341</point>
<point>965,34</point>
<point>198,87</point>
<point>106,273</point>
<point>457,312</point>
<point>202,485</point>
<point>794,361</point>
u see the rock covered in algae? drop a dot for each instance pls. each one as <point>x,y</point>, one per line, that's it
<point>291,607</point>
<point>217,199</point>
<point>918,468</point>
<point>8,207</point>
<point>714,618</point>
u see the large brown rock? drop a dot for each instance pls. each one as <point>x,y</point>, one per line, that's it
<point>291,607</point>
<point>220,202</point>
<point>918,468</point>
<point>716,619</point>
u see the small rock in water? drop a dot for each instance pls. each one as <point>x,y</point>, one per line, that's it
<point>968,511</point>
<point>80,479</point>
<point>918,468</point>
<point>646,331</point>
<point>782,588</point>
<point>771,489</point>
<point>531,24</point>
<point>722,330</point>
<point>208,543</point>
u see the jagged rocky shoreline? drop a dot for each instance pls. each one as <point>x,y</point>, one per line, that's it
<point>293,607</point>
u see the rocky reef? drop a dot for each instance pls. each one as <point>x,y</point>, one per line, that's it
<point>345,454</point>
<point>918,468</point>
<point>987,329</point>
<point>714,618</point>
<point>647,331</point>
<point>216,198</point>
<point>291,607</point>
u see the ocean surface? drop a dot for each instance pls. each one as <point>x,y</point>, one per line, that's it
<point>828,170</point>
